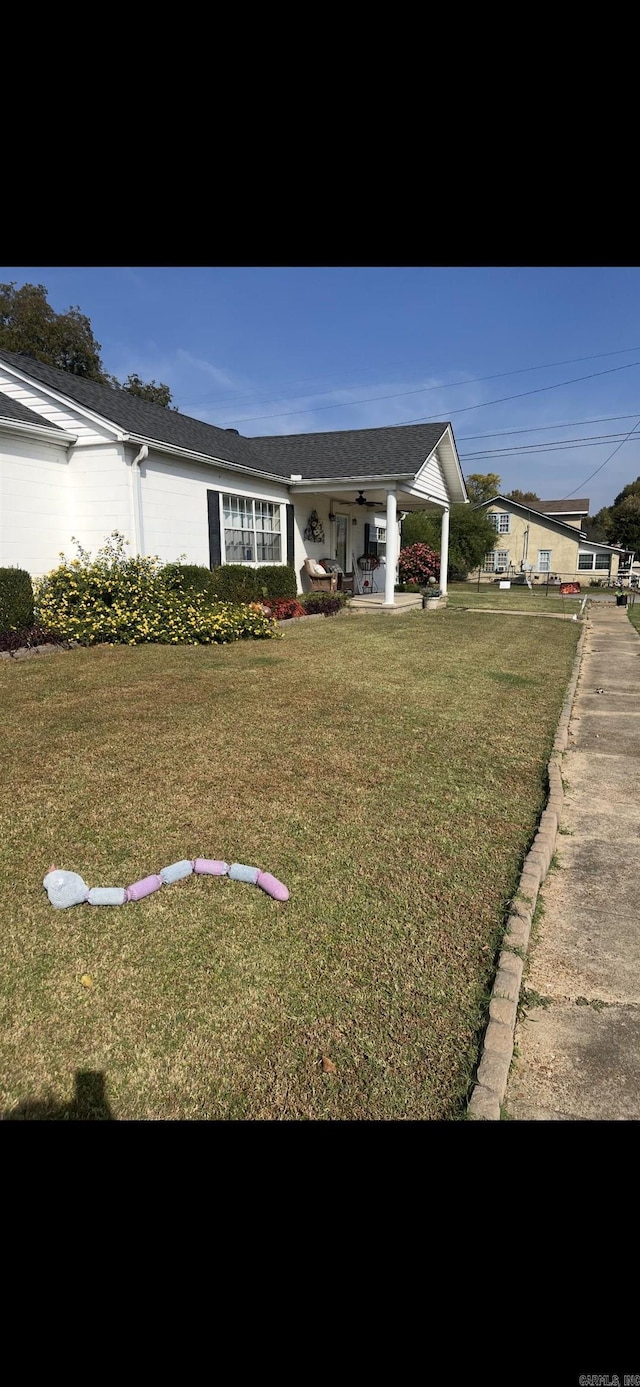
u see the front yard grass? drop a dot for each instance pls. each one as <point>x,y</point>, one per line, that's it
<point>389,770</point>
<point>518,599</point>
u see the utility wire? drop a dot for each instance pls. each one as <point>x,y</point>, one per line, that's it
<point>597,440</point>
<point>602,464</point>
<point>427,419</point>
<point>499,375</point>
<point>544,428</point>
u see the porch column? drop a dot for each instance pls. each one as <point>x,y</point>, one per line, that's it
<point>391,551</point>
<point>444,551</point>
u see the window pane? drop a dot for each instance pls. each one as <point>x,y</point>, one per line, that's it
<point>267,516</point>
<point>238,546</point>
<point>493,518</point>
<point>585,561</point>
<point>269,548</point>
<point>602,561</point>
<point>544,560</point>
<point>503,523</point>
<point>489,562</point>
<point>502,558</point>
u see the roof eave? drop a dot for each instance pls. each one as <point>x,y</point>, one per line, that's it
<point>44,431</point>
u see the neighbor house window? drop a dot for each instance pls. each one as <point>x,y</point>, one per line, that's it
<point>496,559</point>
<point>251,530</point>
<point>501,521</point>
<point>544,561</point>
<point>603,561</point>
<point>585,563</point>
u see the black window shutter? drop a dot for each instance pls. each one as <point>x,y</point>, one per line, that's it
<point>215,546</point>
<point>367,540</point>
<point>290,541</point>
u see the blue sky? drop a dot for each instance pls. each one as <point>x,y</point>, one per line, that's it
<point>295,350</point>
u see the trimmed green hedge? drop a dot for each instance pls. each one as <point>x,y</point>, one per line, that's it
<point>190,578</point>
<point>233,582</point>
<point>16,599</point>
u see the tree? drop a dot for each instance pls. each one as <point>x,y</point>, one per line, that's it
<point>483,486</point>
<point>471,535</point>
<point>156,394</point>
<point>29,324</point>
<point>524,498</point>
<point>599,527</point>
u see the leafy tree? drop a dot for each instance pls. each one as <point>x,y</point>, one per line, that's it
<point>599,527</point>
<point>29,324</point>
<point>157,394</point>
<point>471,535</point>
<point>625,517</point>
<point>525,498</point>
<point>483,486</point>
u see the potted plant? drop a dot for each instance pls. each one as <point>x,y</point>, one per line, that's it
<point>622,598</point>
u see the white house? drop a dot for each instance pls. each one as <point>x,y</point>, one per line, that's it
<point>81,459</point>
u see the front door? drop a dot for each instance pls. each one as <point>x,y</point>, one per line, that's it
<point>342,542</point>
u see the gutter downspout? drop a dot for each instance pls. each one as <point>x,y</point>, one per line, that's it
<point>137,498</point>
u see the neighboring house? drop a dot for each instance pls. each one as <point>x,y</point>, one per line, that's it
<point>82,459</point>
<point>545,540</point>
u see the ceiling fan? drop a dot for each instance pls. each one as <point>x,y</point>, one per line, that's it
<point>361,500</point>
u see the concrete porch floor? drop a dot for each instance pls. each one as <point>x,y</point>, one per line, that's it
<point>374,602</point>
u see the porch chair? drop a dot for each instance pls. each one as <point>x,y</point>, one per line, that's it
<point>320,580</point>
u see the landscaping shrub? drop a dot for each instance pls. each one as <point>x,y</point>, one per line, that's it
<point>276,580</point>
<point>190,577</point>
<point>280,608</point>
<point>26,637</point>
<point>127,601</point>
<point>407,587</point>
<point>232,582</point>
<point>418,563</point>
<point>324,603</point>
<point>16,599</point>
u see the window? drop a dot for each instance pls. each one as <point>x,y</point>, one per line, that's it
<point>603,561</point>
<point>251,530</point>
<point>501,521</point>
<point>585,563</point>
<point>544,561</point>
<point>495,559</point>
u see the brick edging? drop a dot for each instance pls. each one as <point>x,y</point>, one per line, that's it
<point>497,1048</point>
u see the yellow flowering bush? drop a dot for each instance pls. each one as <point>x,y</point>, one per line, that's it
<point>126,601</point>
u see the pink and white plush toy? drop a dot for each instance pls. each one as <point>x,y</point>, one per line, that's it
<point>67,888</point>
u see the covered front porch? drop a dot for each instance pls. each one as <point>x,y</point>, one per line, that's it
<point>346,523</point>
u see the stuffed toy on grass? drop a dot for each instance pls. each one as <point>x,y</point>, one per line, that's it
<point>67,888</point>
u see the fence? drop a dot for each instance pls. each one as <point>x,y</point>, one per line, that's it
<point>586,581</point>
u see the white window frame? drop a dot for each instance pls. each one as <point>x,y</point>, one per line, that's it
<point>252,501</point>
<point>583,567</point>
<point>602,567</point>
<point>549,567</point>
<point>501,560</point>
<point>497,517</point>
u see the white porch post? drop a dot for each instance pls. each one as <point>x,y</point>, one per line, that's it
<point>391,551</point>
<point>444,551</point>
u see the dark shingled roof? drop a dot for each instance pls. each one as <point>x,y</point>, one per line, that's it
<point>351,452</point>
<point>578,506</point>
<point>139,416</point>
<point>347,453</point>
<point>12,409</point>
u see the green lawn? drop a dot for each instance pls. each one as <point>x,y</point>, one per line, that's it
<point>633,611</point>
<point>512,599</point>
<point>389,770</point>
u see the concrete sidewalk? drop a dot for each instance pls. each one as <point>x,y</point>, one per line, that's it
<point>578,1056</point>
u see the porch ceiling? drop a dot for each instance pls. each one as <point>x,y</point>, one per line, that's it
<point>375,495</point>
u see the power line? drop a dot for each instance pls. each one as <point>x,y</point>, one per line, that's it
<point>602,464</point>
<point>596,440</point>
<point>544,428</point>
<point>427,389</point>
<point>427,418</point>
